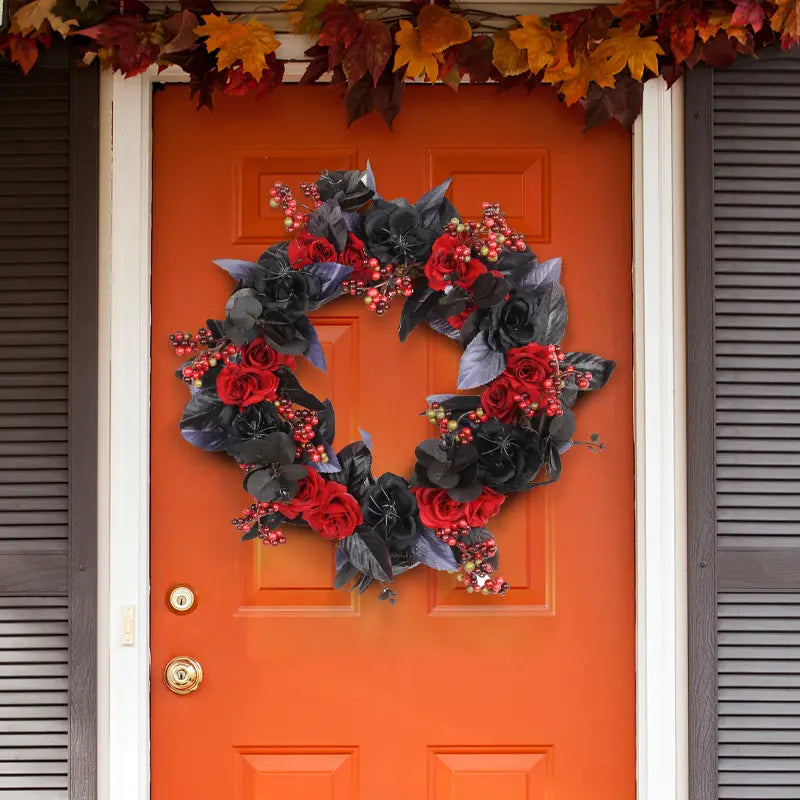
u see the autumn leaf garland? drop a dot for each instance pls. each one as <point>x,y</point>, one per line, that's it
<point>597,57</point>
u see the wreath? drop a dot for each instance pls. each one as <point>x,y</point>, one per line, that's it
<point>476,282</point>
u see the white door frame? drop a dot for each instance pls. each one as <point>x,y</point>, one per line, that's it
<point>658,271</point>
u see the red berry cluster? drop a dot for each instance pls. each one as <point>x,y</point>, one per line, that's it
<point>487,237</point>
<point>553,385</point>
<point>304,422</point>
<point>311,191</point>
<point>441,417</point>
<point>185,343</point>
<point>252,516</point>
<point>280,196</point>
<point>390,285</point>
<point>219,351</point>
<point>475,570</point>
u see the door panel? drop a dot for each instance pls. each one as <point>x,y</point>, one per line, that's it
<point>312,693</point>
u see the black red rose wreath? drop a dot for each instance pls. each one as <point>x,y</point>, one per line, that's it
<point>474,281</point>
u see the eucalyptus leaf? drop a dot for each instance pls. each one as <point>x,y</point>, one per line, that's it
<point>203,410</point>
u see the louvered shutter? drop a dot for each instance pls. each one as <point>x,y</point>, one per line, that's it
<point>48,387</point>
<point>743,343</point>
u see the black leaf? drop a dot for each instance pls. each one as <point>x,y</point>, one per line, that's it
<point>415,309</point>
<point>368,553</point>
<point>599,367</point>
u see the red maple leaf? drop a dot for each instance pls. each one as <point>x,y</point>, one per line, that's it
<point>748,12</point>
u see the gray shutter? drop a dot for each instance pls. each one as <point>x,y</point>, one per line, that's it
<point>47,506</point>
<point>743,307</point>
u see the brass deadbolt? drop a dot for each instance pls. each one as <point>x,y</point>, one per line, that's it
<point>183,675</point>
<point>181,599</point>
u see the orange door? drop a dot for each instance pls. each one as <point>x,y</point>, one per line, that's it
<point>312,693</point>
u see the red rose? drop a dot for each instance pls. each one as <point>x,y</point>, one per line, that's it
<point>307,249</point>
<point>527,367</point>
<point>483,508</point>
<point>353,254</point>
<point>498,399</point>
<point>243,386</point>
<point>444,267</point>
<point>458,320</point>
<point>336,513</point>
<point>259,355</point>
<point>307,497</point>
<point>437,509</point>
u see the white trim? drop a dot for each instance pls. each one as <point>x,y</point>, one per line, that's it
<point>659,374</point>
<point>659,431</point>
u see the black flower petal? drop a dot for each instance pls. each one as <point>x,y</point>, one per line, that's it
<point>509,457</point>
<point>448,466</point>
<point>391,509</point>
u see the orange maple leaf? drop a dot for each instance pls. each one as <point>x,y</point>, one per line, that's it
<point>507,57</point>
<point>626,48</point>
<point>540,42</point>
<point>575,78</point>
<point>440,29</point>
<point>410,51</point>
<point>786,21</point>
<point>720,21</point>
<point>249,42</point>
<point>23,51</point>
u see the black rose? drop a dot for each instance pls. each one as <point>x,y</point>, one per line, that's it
<point>394,233</point>
<point>347,187</point>
<point>509,456</point>
<point>512,323</point>
<point>292,292</point>
<point>452,467</point>
<point>391,509</point>
<point>252,422</point>
<point>274,476</point>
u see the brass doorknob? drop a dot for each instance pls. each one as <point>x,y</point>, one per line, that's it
<point>183,675</point>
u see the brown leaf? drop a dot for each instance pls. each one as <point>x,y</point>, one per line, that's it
<point>507,57</point>
<point>369,52</point>
<point>440,29</point>
<point>180,30</point>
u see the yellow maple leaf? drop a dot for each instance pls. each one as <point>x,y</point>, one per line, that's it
<point>410,51</point>
<point>249,42</point>
<point>507,57</point>
<point>720,21</point>
<point>32,16</point>
<point>626,48</point>
<point>440,29</point>
<point>540,42</point>
<point>574,79</point>
<point>786,19</point>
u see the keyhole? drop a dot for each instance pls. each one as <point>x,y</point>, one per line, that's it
<point>181,600</point>
<point>181,675</point>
